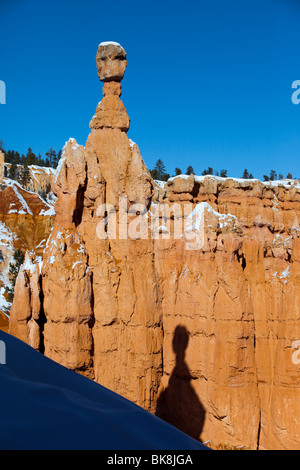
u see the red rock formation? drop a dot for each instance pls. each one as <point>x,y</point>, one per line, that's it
<point>199,331</point>
<point>96,300</point>
<point>25,214</point>
<point>25,222</point>
<point>242,295</point>
<point>40,177</point>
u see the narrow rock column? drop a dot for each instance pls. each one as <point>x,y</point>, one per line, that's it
<point>127,332</point>
<point>1,165</point>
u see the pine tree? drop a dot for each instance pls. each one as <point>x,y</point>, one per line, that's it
<point>289,176</point>
<point>159,171</point>
<point>43,194</point>
<point>9,156</point>
<point>30,157</point>
<point>13,171</point>
<point>47,163</point>
<point>266,178</point>
<point>273,175</point>
<point>223,173</point>
<point>209,171</point>
<point>17,158</point>
<point>246,174</point>
<point>178,172</point>
<point>190,170</point>
<point>59,154</point>
<point>14,267</point>
<point>24,176</point>
<point>40,160</point>
<point>51,154</point>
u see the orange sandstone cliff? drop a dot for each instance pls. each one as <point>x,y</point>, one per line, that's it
<point>189,304</point>
<point>25,222</point>
<point>40,177</point>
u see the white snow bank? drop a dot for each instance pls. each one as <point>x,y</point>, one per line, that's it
<point>283,183</point>
<point>183,177</point>
<point>131,143</point>
<point>44,406</point>
<point>42,169</point>
<point>195,218</point>
<point>6,236</point>
<point>49,212</point>
<point>4,304</point>
<point>31,262</point>
<point>161,184</point>
<point>59,167</point>
<point>109,43</point>
<point>285,274</point>
<point>7,239</point>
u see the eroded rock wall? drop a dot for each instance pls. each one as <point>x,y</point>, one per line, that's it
<point>25,223</point>
<point>238,303</point>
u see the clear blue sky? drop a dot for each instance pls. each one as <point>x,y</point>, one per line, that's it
<point>208,83</point>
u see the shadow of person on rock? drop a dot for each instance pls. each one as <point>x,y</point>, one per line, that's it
<point>179,404</point>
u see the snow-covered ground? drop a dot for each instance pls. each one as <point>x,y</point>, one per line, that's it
<point>46,406</point>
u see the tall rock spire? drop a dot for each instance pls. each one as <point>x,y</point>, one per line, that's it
<point>108,148</point>
<point>96,302</point>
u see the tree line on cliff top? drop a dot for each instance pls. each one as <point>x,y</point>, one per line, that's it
<point>19,163</point>
<point>159,173</point>
<point>13,157</point>
<point>49,161</point>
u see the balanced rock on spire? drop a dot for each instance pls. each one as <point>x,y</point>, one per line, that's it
<point>111,62</point>
<point>88,284</point>
<point>111,65</point>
